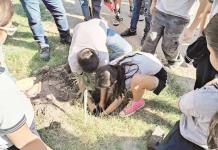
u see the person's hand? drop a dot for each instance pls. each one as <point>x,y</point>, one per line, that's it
<point>152,10</point>
<point>214,81</point>
<point>187,35</point>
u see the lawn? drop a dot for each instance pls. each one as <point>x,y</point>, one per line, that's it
<point>112,133</point>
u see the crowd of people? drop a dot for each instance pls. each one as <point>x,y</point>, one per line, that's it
<point>118,69</point>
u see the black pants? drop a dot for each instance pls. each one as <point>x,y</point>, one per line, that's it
<point>175,141</point>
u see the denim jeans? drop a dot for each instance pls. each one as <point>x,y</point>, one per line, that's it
<point>137,6</point>
<point>175,141</point>
<point>96,4</point>
<point>32,10</point>
<point>117,45</point>
<point>169,28</point>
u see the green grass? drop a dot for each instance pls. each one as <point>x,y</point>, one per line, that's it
<point>22,51</point>
<point>112,133</point>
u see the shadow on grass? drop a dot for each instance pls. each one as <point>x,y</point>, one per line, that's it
<point>60,139</point>
<point>161,105</point>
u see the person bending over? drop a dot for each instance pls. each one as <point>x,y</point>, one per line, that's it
<point>93,45</point>
<point>135,72</point>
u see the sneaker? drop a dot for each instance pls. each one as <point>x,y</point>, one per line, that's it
<point>66,38</point>
<point>45,54</point>
<point>141,17</point>
<point>128,32</point>
<point>132,107</point>
<point>174,65</point>
<point>117,19</point>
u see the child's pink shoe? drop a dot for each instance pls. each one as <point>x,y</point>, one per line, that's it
<point>132,107</point>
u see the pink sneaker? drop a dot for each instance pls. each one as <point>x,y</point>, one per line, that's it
<point>132,107</point>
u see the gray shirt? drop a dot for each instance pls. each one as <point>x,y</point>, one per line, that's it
<point>147,64</point>
<point>179,8</point>
<point>90,34</point>
<point>198,108</point>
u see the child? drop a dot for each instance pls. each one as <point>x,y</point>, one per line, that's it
<point>212,140</point>
<point>135,72</point>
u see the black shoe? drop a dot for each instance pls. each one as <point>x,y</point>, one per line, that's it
<point>66,38</point>
<point>45,54</point>
<point>128,32</point>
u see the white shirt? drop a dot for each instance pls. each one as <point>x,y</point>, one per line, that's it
<point>90,34</point>
<point>179,8</point>
<point>15,110</point>
<point>147,64</point>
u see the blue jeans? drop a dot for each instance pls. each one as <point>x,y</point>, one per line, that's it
<point>137,6</point>
<point>32,10</point>
<point>117,45</point>
<point>96,4</point>
<point>175,141</point>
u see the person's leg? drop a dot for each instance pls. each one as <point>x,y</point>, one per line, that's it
<point>96,4</point>
<point>134,20</point>
<point>142,11</point>
<point>170,43</point>
<point>32,10</point>
<point>57,10</point>
<point>130,7</point>
<point>148,18</point>
<point>85,9</point>
<point>138,84</point>
<point>117,45</point>
<point>117,19</point>
<point>154,34</point>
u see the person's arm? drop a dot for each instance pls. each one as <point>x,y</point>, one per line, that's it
<point>24,139</point>
<point>152,8</point>
<point>189,32</point>
<point>187,103</point>
<point>114,105</point>
<point>103,96</point>
<point>205,17</point>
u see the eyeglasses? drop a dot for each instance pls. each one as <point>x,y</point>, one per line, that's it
<point>9,30</point>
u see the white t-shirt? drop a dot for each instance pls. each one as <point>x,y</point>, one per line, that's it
<point>147,64</point>
<point>179,8</point>
<point>90,34</point>
<point>15,110</point>
<point>214,9</point>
